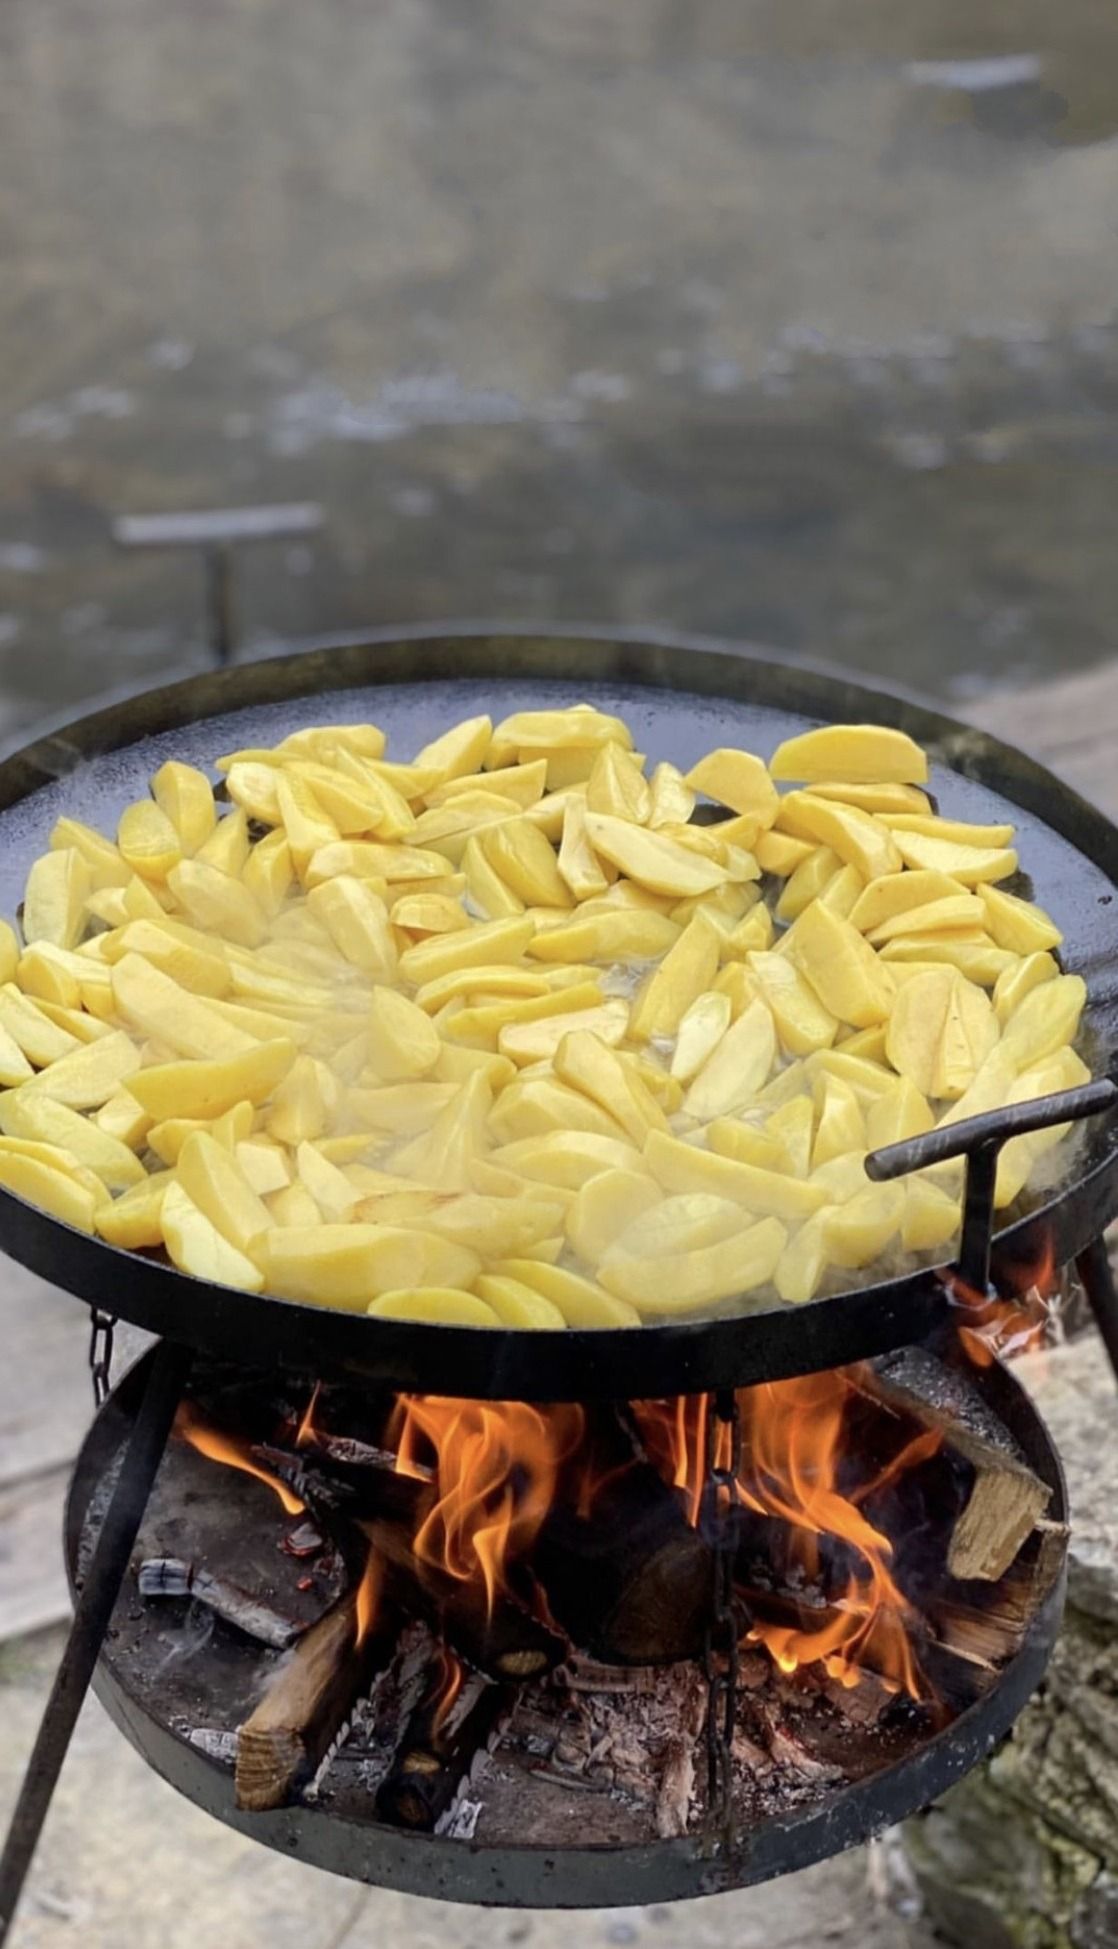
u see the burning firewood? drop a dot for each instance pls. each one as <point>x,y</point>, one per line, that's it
<point>307,1703</point>
<point>504,1640</point>
<point>677,1781</point>
<point>453,1723</point>
<point>1007,1499</point>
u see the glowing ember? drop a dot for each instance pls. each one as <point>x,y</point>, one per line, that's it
<point>496,1468</point>
<point>234,1452</point>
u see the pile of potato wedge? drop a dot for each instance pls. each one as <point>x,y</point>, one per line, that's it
<point>503,1034</point>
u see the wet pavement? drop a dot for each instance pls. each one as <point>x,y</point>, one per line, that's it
<point>794,324</point>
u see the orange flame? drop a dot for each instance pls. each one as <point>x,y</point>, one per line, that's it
<point>367,1601</point>
<point>792,1445</point>
<point>452,1679</point>
<point>1000,1329</point>
<point>233,1452</point>
<point>307,1430</point>
<point>496,1468</point>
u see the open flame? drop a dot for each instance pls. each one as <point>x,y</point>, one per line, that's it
<point>496,1466</point>
<point>235,1453</point>
<point>992,1328</point>
<point>367,1600</point>
<point>793,1443</point>
<point>451,1676</point>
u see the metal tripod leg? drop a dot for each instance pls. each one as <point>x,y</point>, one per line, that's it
<point>92,1615</point>
<point>1093,1267</point>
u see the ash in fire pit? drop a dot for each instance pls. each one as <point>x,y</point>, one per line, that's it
<point>488,1620</point>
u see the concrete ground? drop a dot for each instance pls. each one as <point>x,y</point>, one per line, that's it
<point>793,323</point>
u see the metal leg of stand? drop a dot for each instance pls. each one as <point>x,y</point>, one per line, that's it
<point>1093,1267</point>
<point>92,1616</point>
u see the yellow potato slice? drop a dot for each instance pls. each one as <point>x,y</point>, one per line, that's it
<point>736,1069</point>
<point>464,748</point>
<point>491,941</point>
<point>566,1158</point>
<point>444,1155</point>
<point>86,1077</point>
<point>807,882</point>
<point>135,1221</point>
<point>941,1030</point>
<point>403,1041</point>
<point>14,1066</point>
<point>675,1286</point>
<point>218,904</point>
<point>870,754</point>
<point>617,786</point>
<point>802,1022</point>
<point>348,1265</point>
<point>401,1108</point>
<point>495,1228</point>
<point>518,1305</point>
<point>737,779</point>
<point>651,858</point>
<point>421,914</point>
<point>971,865</point>
<point>803,1262</point>
<point>206,1089</point>
<point>581,1301</point>
<point>195,1244</point>
<point>41,1120</point>
<point>211,1177</point>
<point>613,934</point>
<point>858,838</point>
<point>857,1232</point>
<point>867,1077</point>
<point>1018,925</point>
<point>931,1216</point>
<point>700,1031</point>
<point>303,1103</point>
<point>58,886</point>
<point>124,1118</point>
<point>873,798</point>
<point>433,1306</point>
<point>155,1005</point>
<point>252,785</point>
<point>193,967</point>
<point>106,867</point>
<point>227,847</point>
<point>167,1139</point>
<point>979,961</point>
<point>960,910</point>
<point>604,1206</point>
<point>780,853</point>
<point>526,1042</point>
<point>686,971</point>
<point>1044,1021</point>
<point>840,1125</point>
<point>1019,980</point>
<point>52,1189</point>
<point>673,800</point>
<point>323,741</point>
<point>585,1062</point>
<point>883,899</point>
<point>148,841</point>
<point>9,952</point>
<point>524,785</point>
<point>264,1164</point>
<point>792,1126</point>
<point>294,1207</point>
<point>687,1222</point>
<point>841,967</point>
<point>684,1167</point>
<point>957,830</point>
<point>520,854</point>
<point>331,1190</point>
<point>901,1113</point>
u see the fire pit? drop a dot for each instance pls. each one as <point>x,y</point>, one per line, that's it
<point>719,1604</point>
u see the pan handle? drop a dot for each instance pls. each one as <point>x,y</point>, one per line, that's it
<point>979,1140</point>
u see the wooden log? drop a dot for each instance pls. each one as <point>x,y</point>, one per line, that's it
<point>630,1580</point>
<point>307,1704</point>
<point>1006,1500</point>
<point>436,1752</point>
<point>511,1643</point>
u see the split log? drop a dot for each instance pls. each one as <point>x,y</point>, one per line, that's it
<point>509,1643</point>
<point>677,1780</point>
<point>436,1753</point>
<point>307,1704</point>
<point>1007,1500</point>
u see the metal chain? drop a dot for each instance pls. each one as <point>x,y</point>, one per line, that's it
<point>721,1648</point>
<point>101,1329</point>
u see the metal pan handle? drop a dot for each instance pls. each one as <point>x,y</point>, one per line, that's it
<point>979,1140</point>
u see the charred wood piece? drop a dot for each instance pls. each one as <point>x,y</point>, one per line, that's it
<point>436,1753</point>
<point>171,1577</point>
<point>309,1700</point>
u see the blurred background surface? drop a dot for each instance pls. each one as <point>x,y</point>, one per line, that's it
<point>796,324</point>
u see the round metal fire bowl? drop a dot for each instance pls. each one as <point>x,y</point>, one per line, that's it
<point>681,698</point>
<point>587,1876</point>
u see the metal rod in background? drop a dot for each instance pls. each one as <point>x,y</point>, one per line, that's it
<point>92,1616</point>
<point>1093,1267</point>
<point>977,1242</point>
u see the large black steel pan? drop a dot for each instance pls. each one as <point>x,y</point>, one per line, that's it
<point>681,698</point>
